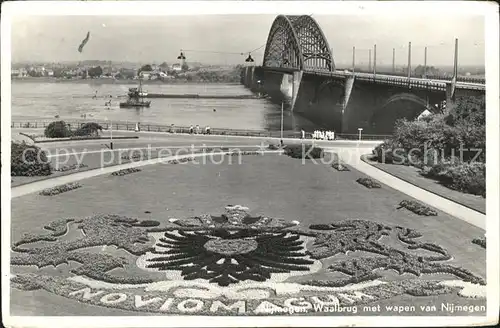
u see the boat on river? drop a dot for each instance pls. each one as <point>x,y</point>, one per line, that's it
<point>136,98</point>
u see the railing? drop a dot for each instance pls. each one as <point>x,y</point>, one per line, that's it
<point>120,126</point>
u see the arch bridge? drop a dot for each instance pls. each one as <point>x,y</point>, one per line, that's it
<point>299,68</point>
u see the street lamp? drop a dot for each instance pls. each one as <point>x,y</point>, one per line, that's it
<point>181,56</point>
<point>360,129</point>
<point>249,59</point>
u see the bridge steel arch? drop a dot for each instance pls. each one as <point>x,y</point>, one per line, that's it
<point>297,43</point>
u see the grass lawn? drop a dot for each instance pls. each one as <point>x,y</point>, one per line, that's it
<point>270,185</point>
<point>412,175</point>
<point>102,159</point>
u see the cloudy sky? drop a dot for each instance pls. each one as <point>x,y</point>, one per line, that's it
<point>157,39</point>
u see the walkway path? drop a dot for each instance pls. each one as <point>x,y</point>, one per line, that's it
<point>459,211</point>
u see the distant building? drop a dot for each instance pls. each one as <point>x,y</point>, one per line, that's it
<point>176,67</point>
<point>146,75</point>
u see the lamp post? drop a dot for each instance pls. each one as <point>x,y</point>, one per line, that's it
<point>360,129</point>
<point>425,63</point>
<point>369,60</point>
<point>353,59</point>
<point>393,60</point>
<point>409,60</point>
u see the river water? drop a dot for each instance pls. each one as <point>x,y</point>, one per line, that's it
<point>36,99</point>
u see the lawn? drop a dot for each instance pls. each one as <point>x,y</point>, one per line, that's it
<point>412,175</point>
<point>272,186</point>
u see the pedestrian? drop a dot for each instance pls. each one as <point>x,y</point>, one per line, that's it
<point>197,129</point>
<point>302,134</point>
<point>172,128</point>
<point>191,129</point>
<point>207,130</point>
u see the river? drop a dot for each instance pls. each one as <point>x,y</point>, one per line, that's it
<point>37,99</point>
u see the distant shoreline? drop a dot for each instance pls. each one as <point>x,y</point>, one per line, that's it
<point>111,81</point>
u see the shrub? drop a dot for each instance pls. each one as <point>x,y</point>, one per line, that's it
<point>88,129</point>
<point>58,129</point>
<point>417,208</point>
<point>369,183</point>
<point>60,189</point>
<point>389,153</point>
<point>303,151</point>
<point>28,160</point>
<point>480,241</point>
<point>464,177</point>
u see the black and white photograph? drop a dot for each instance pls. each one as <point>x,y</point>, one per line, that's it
<point>249,163</point>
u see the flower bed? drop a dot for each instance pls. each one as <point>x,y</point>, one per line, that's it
<point>126,171</point>
<point>303,151</point>
<point>340,167</point>
<point>369,183</point>
<point>60,189</point>
<point>70,167</point>
<point>480,241</point>
<point>417,208</point>
<point>127,157</point>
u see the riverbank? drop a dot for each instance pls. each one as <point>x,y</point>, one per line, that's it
<point>113,81</point>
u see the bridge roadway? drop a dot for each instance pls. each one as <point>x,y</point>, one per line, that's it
<point>386,79</point>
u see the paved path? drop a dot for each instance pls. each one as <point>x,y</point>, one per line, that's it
<point>459,211</point>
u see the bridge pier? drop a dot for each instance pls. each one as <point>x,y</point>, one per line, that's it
<point>272,85</point>
<point>297,79</point>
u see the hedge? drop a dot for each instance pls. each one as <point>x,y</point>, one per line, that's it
<point>303,151</point>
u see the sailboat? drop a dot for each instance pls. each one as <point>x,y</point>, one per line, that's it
<point>136,98</point>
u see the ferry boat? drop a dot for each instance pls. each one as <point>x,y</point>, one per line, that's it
<point>136,98</point>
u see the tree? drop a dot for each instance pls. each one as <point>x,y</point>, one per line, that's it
<point>95,71</point>
<point>185,67</point>
<point>145,68</point>
<point>164,65</point>
<point>89,129</point>
<point>429,70</point>
<point>57,129</point>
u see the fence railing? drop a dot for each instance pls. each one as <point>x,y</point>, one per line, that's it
<point>120,126</point>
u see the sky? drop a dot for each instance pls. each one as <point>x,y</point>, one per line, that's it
<point>157,39</point>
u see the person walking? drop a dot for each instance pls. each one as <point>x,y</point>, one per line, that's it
<point>191,129</point>
<point>197,129</point>
<point>302,134</point>
<point>207,130</point>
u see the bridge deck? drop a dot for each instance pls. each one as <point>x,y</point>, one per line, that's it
<point>413,82</point>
